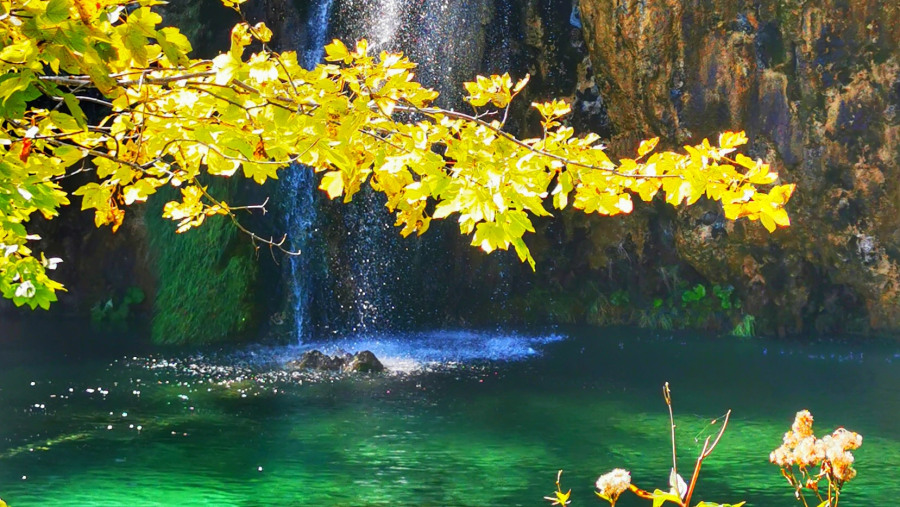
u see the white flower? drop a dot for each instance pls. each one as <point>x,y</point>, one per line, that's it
<point>613,484</point>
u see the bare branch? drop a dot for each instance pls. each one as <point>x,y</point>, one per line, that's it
<point>87,99</point>
<point>82,80</point>
<point>667,394</point>
<point>719,436</point>
<point>271,242</point>
<point>707,450</point>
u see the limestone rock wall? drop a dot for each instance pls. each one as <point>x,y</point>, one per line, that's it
<point>816,85</point>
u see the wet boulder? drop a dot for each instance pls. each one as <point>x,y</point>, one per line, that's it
<point>316,360</point>
<point>364,362</point>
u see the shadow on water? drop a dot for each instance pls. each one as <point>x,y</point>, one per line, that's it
<point>465,418</point>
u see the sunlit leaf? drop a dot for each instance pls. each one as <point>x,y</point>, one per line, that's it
<point>647,146</point>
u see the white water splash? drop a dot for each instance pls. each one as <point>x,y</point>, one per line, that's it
<point>401,353</point>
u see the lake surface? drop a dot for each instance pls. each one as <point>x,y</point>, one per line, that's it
<point>466,419</point>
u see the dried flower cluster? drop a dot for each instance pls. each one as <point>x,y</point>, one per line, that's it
<point>801,448</point>
<point>612,484</point>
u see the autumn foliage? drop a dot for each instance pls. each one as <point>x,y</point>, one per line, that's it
<point>358,119</point>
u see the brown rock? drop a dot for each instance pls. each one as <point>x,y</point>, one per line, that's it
<point>817,88</point>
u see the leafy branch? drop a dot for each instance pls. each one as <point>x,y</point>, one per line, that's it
<point>357,119</point>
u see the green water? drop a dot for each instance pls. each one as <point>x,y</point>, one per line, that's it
<point>461,427</point>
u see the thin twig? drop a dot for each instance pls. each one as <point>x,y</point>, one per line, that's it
<point>253,236</point>
<point>707,450</point>
<point>667,394</point>
<point>80,80</point>
<point>83,98</point>
<point>462,116</point>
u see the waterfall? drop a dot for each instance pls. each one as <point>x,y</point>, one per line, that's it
<point>300,215</point>
<point>381,263</point>
<point>371,278</point>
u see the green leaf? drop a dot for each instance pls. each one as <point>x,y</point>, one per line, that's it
<point>64,122</point>
<point>58,10</point>
<point>67,154</point>
<point>75,108</point>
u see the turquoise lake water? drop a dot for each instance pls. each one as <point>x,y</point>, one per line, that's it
<point>466,418</point>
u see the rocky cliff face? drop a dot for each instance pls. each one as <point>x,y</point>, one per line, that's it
<point>816,85</point>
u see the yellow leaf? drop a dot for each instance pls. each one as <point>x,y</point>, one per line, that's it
<point>732,139</point>
<point>767,222</point>
<point>781,193</point>
<point>732,211</point>
<point>746,161</point>
<point>333,183</point>
<point>648,188</point>
<point>780,217</point>
<point>624,204</point>
<point>262,32</point>
<point>337,52</point>
<point>521,83</point>
<point>261,69</point>
<point>552,109</point>
<point>362,48</point>
<point>445,209</point>
<point>240,38</point>
<point>225,66</point>
<point>647,146</point>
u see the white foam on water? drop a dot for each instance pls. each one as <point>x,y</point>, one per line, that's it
<point>410,352</point>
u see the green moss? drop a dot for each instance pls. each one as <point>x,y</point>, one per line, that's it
<point>115,311</point>
<point>205,278</point>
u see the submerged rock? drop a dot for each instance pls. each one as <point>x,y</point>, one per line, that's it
<point>364,362</point>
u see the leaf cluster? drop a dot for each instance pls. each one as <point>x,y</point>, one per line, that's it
<point>168,120</point>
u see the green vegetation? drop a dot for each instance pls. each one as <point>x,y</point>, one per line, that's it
<point>712,307</point>
<point>113,311</point>
<point>746,327</point>
<point>205,281</point>
<point>678,305</point>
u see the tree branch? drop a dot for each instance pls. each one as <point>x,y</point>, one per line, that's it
<point>432,112</point>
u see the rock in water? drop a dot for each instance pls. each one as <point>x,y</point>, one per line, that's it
<point>364,362</point>
<point>315,360</point>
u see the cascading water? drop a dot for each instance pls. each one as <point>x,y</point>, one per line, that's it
<point>317,28</point>
<point>371,280</point>
<point>300,216</point>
